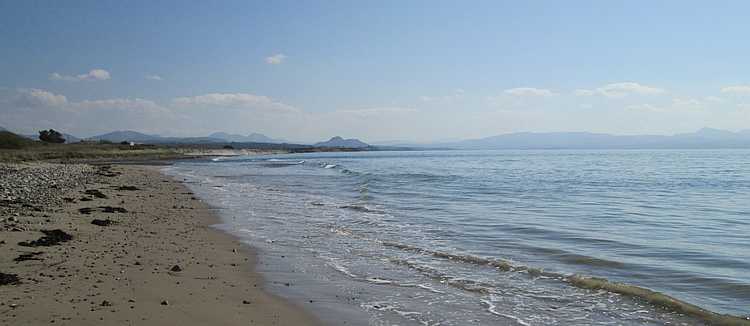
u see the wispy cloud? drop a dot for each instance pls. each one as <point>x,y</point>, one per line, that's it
<point>276,59</point>
<point>234,100</point>
<point>92,75</point>
<point>154,77</point>
<point>529,92</point>
<point>736,89</point>
<point>617,90</point>
<point>38,98</point>
<point>370,112</point>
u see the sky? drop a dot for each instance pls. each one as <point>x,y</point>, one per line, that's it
<point>416,71</point>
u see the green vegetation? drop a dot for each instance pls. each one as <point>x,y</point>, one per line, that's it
<point>15,148</point>
<point>9,140</point>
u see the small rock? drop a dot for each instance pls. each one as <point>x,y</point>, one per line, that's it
<point>165,303</point>
<point>176,268</point>
<point>245,302</point>
<point>105,303</point>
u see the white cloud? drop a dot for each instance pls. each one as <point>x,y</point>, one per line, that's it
<point>737,89</point>
<point>529,92</point>
<point>37,98</point>
<point>276,59</point>
<point>154,77</point>
<point>234,100</point>
<point>584,92</point>
<point>627,88</point>
<point>92,75</point>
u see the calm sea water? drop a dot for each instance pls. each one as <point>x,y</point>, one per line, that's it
<point>416,237</point>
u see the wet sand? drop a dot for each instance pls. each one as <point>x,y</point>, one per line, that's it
<point>153,259</point>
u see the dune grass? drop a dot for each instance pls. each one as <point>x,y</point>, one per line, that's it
<point>27,150</point>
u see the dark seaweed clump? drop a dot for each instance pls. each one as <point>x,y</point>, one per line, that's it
<point>110,209</point>
<point>28,256</point>
<point>127,188</point>
<point>101,222</point>
<point>50,238</point>
<point>7,279</point>
<point>95,193</point>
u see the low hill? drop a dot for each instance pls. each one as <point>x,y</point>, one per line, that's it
<point>339,142</point>
<point>9,140</point>
<point>126,135</point>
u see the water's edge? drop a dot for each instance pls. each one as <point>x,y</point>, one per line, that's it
<point>655,298</point>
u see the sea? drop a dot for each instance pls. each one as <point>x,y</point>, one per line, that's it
<point>492,237</point>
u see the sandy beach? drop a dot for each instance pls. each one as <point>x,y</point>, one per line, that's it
<point>134,247</point>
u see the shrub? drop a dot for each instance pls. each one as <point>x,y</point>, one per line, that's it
<point>51,136</point>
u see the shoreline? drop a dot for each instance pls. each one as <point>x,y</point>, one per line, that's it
<point>154,259</point>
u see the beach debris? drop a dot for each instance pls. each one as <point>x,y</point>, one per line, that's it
<point>110,209</point>
<point>246,302</point>
<point>28,256</point>
<point>102,222</point>
<point>105,209</point>
<point>165,303</point>
<point>105,303</point>
<point>176,268</point>
<point>106,172</point>
<point>9,279</point>
<point>96,193</point>
<point>50,238</point>
<point>127,188</point>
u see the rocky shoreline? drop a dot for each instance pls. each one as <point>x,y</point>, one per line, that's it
<point>26,189</point>
<point>121,245</point>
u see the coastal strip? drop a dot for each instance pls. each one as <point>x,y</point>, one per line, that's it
<point>122,245</point>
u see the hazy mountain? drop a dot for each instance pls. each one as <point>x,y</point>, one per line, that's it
<point>3,129</point>
<point>70,138</point>
<point>704,138</point>
<point>342,143</point>
<point>252,138</point>
<point>127,135</point>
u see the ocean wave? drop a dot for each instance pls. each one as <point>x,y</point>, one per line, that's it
<point>655,298</point>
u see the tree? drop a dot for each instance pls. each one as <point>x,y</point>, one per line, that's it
<point>51,136</point>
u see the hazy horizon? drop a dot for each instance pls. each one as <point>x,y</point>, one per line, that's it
<point>385,71</point>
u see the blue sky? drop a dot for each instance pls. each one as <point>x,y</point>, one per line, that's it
<point>412,70</point>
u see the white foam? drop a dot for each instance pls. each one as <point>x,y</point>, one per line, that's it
<point>493,310</point>
<point>341,268</point>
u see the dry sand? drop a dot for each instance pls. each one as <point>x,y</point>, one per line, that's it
<point>121,274</point>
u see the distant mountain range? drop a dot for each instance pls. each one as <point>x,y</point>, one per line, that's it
<point>251,138</point>
<point>704,138</point>
<point>217,137</point>
<point>339,142</point>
